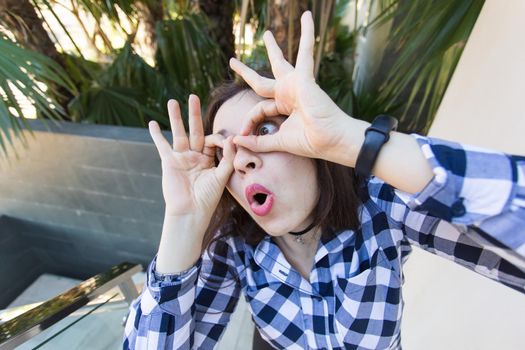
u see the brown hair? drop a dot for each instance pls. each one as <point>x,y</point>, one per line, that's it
<point>336,209</point>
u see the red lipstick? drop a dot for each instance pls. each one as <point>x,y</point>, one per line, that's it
<point>259,198</point>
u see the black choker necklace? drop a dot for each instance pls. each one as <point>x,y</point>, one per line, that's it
<point>298,235</point>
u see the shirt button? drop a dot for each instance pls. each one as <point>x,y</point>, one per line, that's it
<point>458,209</point>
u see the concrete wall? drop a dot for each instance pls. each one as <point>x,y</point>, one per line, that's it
<point>83,197</point>
<point>447,306</point>
<point>19,265</point>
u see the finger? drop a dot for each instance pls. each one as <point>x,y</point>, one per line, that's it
<point>305,54</point>
<point>263,109</point>
<point>214,140</point>
<point>211,142</point>
<point>262,86</point>
<point>180,140</point>
<point>266,143</point>
<point>163,146</point>
<point>195,124</point>
<point>225,167</point>
<point>279,64</point>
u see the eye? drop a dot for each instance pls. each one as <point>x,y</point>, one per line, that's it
<point>266,128</point>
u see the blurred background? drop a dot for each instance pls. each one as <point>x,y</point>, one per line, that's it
<point>118,62</point>
<point>80,181</point>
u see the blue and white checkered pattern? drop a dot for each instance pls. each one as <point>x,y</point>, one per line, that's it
<point>353,299</point>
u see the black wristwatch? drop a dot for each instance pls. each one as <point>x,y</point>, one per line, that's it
<point>376,135</point>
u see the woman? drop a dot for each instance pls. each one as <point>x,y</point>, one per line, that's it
<point>317,255</point>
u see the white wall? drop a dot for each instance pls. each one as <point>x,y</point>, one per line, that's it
<point>447,306</point>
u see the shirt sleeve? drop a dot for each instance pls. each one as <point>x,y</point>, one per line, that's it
<point>189,310</point>
<point>472,212</point>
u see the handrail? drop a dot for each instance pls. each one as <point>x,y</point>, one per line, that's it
<point>21,328</point>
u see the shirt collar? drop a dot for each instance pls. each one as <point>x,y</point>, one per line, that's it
<point>269,256</point>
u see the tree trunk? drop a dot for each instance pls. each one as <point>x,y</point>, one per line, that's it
<point>150,12</point>
<point>20,18</point>
<point>285,24</point>
<point>220,15</point>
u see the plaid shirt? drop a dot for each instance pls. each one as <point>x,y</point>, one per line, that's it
<point>353,299</point>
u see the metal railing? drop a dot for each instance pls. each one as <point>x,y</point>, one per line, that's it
<point>31,323</point>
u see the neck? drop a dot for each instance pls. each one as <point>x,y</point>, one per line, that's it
<point>310,239</point>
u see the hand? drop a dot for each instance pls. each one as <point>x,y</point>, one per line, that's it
<point>191,185</point>
<point>314,125</point>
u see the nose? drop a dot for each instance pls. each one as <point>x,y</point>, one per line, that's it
<point>246,160</point>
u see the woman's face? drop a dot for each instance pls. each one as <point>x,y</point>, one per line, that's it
<point>279,190</point>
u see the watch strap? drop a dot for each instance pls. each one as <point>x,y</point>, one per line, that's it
<point>376,135</point>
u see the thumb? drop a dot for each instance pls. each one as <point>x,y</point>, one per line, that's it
<point>266,143</point>
<point>225,167</point>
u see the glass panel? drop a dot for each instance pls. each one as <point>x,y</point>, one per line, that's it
<point>98,325</point>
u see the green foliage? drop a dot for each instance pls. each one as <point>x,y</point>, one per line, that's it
<point>108,8</point>
<point>130,70</point>
<point>81,71</point>
<point>336,69</point>
<point>258,58</point>
<point>27,71</point>
<point>128,92</point>
<point>111,105</point>
<point>188,58</point>
<point>428,42</point>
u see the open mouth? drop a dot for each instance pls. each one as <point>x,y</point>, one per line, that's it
<point>260,199</point>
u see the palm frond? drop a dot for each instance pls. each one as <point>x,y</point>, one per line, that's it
<point>428,39</point>
<point>112,105</point>
<point>34,76</point>
<point>50,8</point>
<point>190,60</point>
<point>109,9</point>
<point>336,66</point>
<point>128,92</point>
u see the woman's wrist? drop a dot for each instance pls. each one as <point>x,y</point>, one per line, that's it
<point>345,147</point>
<point>180,243</point>
<point>401,155</point>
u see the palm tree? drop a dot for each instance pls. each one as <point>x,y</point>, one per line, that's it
<point>150,12</point>
<point>27,28</point>
<point>22,70</point>
<point>220,16</point>
<point>284,23</point>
